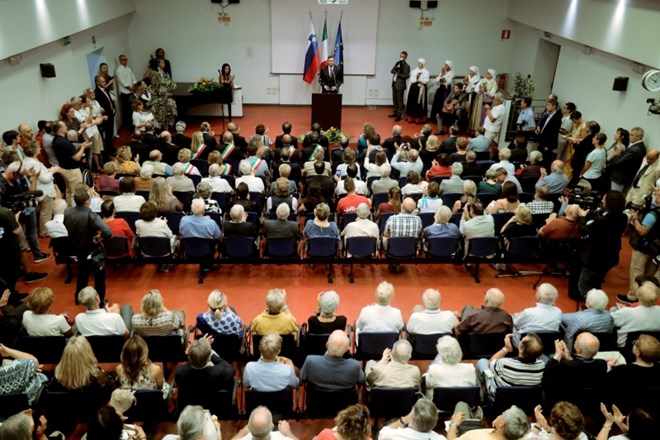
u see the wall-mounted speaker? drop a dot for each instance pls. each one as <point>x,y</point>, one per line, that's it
<point>431,4</point>
<point>415,4</point>
<point>620,84</point>
<point>234,2</point>
<point>47,70</point>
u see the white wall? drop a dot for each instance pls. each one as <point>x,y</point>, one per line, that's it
<point>245,44</point>
<point>26,97</point>
<point>26,24</point>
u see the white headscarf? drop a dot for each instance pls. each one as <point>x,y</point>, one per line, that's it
<point>475,69</point>
<point>492,72</point>
<point>422,61</point>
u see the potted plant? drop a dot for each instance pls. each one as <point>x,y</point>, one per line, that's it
<point>523,86</point>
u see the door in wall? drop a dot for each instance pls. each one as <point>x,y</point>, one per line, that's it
<point>544,68</point>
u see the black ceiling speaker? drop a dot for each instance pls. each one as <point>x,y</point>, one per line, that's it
<point>234,2</point>
<point>47,70</point>
<point>432,4</point>
<point>416,4</point>
<point>620,84</point>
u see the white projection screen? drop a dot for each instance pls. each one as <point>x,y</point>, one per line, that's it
<point>290,29</point>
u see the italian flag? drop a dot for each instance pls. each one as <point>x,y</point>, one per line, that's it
<point>324,43</point>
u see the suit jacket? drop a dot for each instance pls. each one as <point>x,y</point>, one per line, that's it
<point>401,72</point>
<point>142,149</point>
<point>600,250</point>
<point>624,167</point>
<point>308,169</point>
<point>389,147</point>
<point>448,145</point>
<point>279,144</point>
<point>169,151</point>
<point>330,77</point>
<point>308,153</point>
<point>549,132</point>
<point>242,229</point>
<point>562,378</point>
<point>323,141</point>
<point>198,386</point>
<point>240,142</point>
<point>105,102</point>
<point>210,141</point>
<point>392,374</point>
<point>181,140</point>
<point>646,182</point>
<point>151,140</point>
<point>281,229</point>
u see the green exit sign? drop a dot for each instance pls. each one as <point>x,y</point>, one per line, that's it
<point>66,40</point>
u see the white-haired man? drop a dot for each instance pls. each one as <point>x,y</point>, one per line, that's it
<point>362,226</point>
<point>331,372</point>
<point>254,183</point>
<point>55,228</point>
<point>594,318</point>
<point>431,320</point>
<point>511,424</point>
<point>380,317</point>
<point>198,226</point>
<point>504,155</point>
<point>556,181</point>
<point>544,317</point>
<point>218,184</point>
<point>179,181</point>
<point>393,369</point>
<point>646,316</point>
<point>271,372</point>
<point>238,226</point>
<point>490,318</point>
<point>282,227</point>
<point>453,185</point>
<point>385,182</point>
<point>97,320</point>
<point>260,427</point>
<point>418,424</point>
<point>156,161</point>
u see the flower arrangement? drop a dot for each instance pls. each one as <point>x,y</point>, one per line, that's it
<point>333,134</point>
<point>523,86</point>
<point>204,85</point>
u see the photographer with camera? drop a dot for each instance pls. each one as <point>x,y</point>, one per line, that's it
<point>600,243</point>
<point>644,241</point>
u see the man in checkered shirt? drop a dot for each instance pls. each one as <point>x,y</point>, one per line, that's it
<point>404,224</point>
<point>541,204</point>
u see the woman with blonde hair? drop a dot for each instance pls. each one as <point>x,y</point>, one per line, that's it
<point>136,371</point>
<point>320,225</point>
<point>183,157</point>
<point>39,320</point>
<point>469,194</point>
<point>220,318</point>
<point>156,319</point>
<point>197,146</point>
<point>161,195</point>
<point>520,225</point>
<point>79,370</point>
<point>282,195</point>
<point>215,157</point>
<point>125,164</point>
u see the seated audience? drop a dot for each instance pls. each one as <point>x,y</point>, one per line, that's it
<point>198,226</point>
<point>136,371</point>
<point>161,194</point>
<point>78,370</point>
<point>220,318</point>
<point>512,424</point>
<point>565,227</point>
<point>381,316</point>
<point>254,183</point>
<point>325,321</point>
<point>637,425</point>
<point>565,422</point>
<point>489,184</point>
<point>447,370</point>
<point>440,167</point>
<point>21,374</point>
<point>533,170</point>
<point>276,318</point>
<point>520,225</point>
<point>281,194</point>
<point>430,319</point>
<point>178,181</point>
<point>524,370</point>
<point>503,176</point>
<point>155,319</point>
<point>184,156</point>
<point>125,163</point>
<point>441,226</point>
<point>150,225</point>
<point>393,369</point>
<point>414,184</point>
<point>490,318</point>
<point>144,181</point>
<point>353,422</point>
<point>544,317</point>
<point>453,185</point>
<point>39,320</point>
<point>419,424</point>
<point>461,151</point>
<point>238,226</point>
<point>320,226</point>
<point>156,162</point>
<point>352,199</point>
<point>509,201</point>
<point>504,155</point>
<point>282,227</point>
<point>127,200</point>
<point>271,372</point>
<point>385,183</point>
<point>331,371</point>
<point>260,426</point>
<point>196,423</point>
<point>218,184</point>
<point>243,198</point>
<point>646,316</point>
<point>118,226</point>
<point>474,224</point>
<point>393,203</point>
<point>107,181</point>
<point>211,206</point>
<point>556,181</point>
<point>430,201</point>
<point>541,204</point>
<point>593,318</point>
<point>362,226</point>
<point>469,196</point>
<point>101,321</point>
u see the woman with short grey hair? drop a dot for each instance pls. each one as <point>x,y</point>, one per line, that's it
<point>325,321</point>
<point>447,369</point>
<point>196,423</point>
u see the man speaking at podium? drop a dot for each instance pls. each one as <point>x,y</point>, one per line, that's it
<point>330,76</point>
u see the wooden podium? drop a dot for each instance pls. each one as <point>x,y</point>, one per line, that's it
<point>326,109</point>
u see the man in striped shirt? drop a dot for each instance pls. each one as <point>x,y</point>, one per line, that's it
<point>526,369</point>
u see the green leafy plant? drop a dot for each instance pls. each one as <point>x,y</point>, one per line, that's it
<point>523,86</point>
<point>204,84</point>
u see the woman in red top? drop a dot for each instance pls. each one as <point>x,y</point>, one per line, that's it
<point>441,167</point>
<point>118,226</point>
<point>392,205</point>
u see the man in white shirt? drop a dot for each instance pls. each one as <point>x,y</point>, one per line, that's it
<point>55,228</point>
<point>494,117</point>
<point>545,316</point>
<point>254,183</point>
<point>419,424</point>
<point>380,317</point>
<point>646,316</point>
<point>362,226</point>
<point>475,224</point>
<point>260,427</point>
<point>393,369</point>
<point>97,321</point>
<point>218,184</point>
<point>431,320</point>
<point>504,155</point>
<point>126,84</point>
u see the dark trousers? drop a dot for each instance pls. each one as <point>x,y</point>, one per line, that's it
<point>84,271</point>
<point>126,111</point>
<point>107,131</point>
<point>397,97</point>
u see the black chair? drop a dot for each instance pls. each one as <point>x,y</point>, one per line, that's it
<point>481,250</point>
<point>289,346</point>
<point>199,250</point>
<point>229,347</point>
<point>221,198</point>
<point>144,194</point>
<point>346,218</point>
<point>12,403</point>
<point>47,349</point>
<point>446,398</point>
<point>154,247</point>
<point>524,250</point>
<point>528,184</point>
<point>424,346</point>
<point>390,403</point>
<point>485,164</point>
<point>166,349</point>
<point>476,179</point>
<point>117,248</point>
<point>525,197</point>
<point>68,408</point>
<point>257,198</point>
<point>129,216</point>
<point>282,248</point>
<point>500,219</point>
<point>64,254</point>
<point>239,248</point>
<point>173,220</point>
<point>449,199</point>
<point>222,403</point>
<point>539,219</point>
<point>370,345</point>
<point>401,247</point>
<point>185,197</point>
<point>280,403</point>
<point>107,348</point>
<point>323,248</point>
<point>379,198</point>
<point>548,338</point>
<point>428,218</point>
<point>525,398</point>
<point>149,406</point>
<point>110,193</point>
<point>607,340</point>
<point>326,404</point>
<point>486,198</point>
<point>443,248</point>
<point>481,345</point>
<point>312,343</point>
<point>360,248</point>
<point>195,179</point>
<point>202,166</point>
<point>382,221</point>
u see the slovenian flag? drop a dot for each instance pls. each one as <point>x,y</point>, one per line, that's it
<point>324,43</point>
<point>311,57</point>
<point>339,49</point>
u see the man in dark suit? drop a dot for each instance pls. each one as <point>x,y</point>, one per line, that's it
<point>149,136</point>
<point>238,226</point>
<point>139,147</point>
<point>288,149</point>
<point>282,227</point>
<point>624,166</point>
<point>180,139</point>
<point>400,73</point>
<point>286,130</point>
<point>169,150</point>
<point>200,379</point>
<point>209,136</point>
<point>548,131</point>
<point>330,76</point>
<point>312,146</point>
<point>322,139</point>
<point>109,109</point>
<point>389,145</point>
<point>449,145</point>
<point>239,140</point>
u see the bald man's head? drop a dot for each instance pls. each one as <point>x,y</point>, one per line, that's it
<point>587,345</point>
<point>557,166</point>
<point>494,298</point>
<point>337,343</point>
<point>260,423</point>
<point>408,206</point>
<point>572,212</point>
